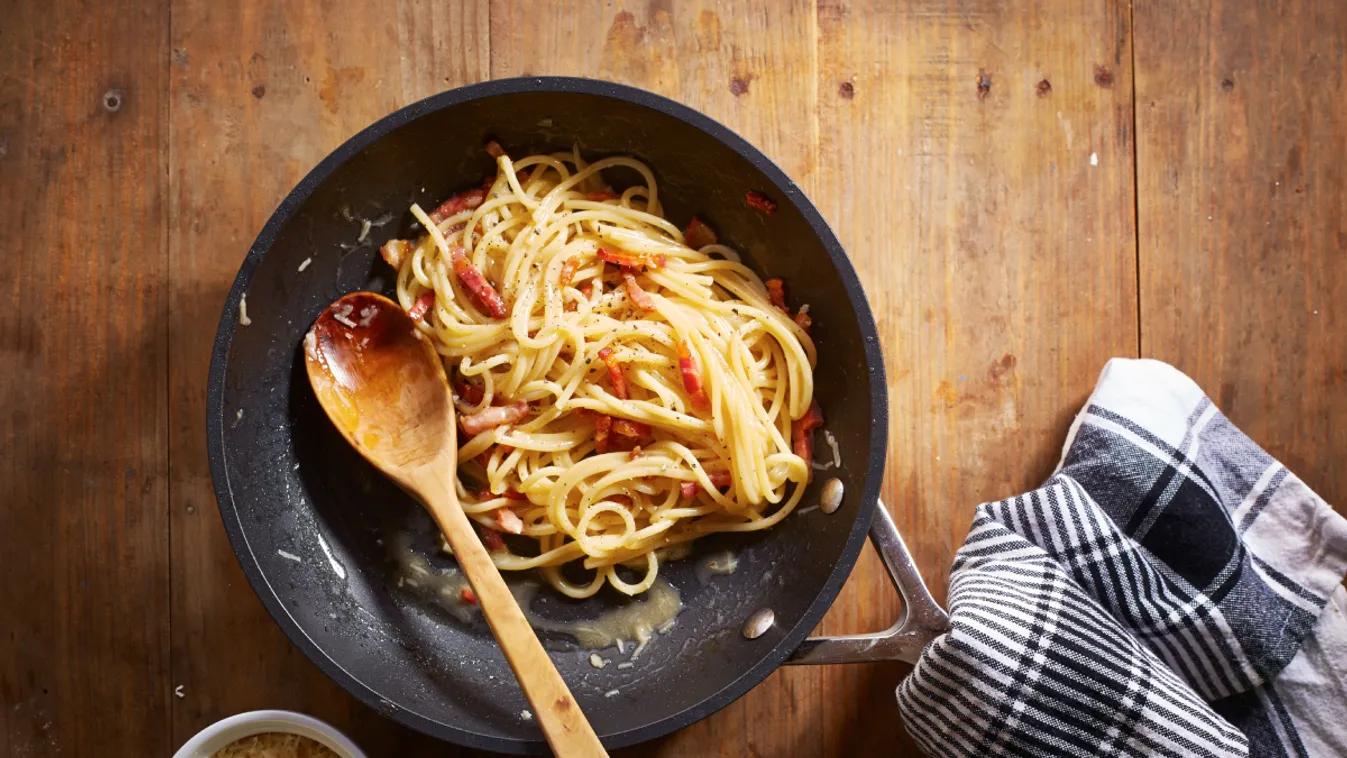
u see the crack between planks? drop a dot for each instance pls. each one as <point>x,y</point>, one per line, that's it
<point>1136,169</point>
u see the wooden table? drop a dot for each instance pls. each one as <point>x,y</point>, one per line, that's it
<point>1026,188</point>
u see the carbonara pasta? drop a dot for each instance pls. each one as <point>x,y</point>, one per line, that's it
<point>623,387</point>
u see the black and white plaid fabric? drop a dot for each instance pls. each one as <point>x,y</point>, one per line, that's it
<point>1172,590</point>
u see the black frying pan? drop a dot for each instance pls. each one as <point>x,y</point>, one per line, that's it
<point>289,487</point>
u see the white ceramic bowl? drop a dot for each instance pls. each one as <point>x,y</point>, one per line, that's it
<point>221,733</point>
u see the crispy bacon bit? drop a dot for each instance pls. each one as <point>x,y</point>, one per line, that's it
<point>692,376</point>
<point>803,320</point>
<point>467,391</point>
<point>632,260</point>
<point>600,197</point>
<point>720,480</point>
<point>698,234</point>
<point>491,540</point>
<point>615,374</point>
<point>468,596</point>
<point>494,149</point>
<point>568,271</point>
<point>639,297</point>
<point>587,289</point>
<point>477,284</point>
<point>497,415</point>
<point>802,435</point>
<point>421,307</point>
<point>761,202</point>
<point>637,452</point>
<point>776,292</point>
<point>602,426</point>
<point>463,201</point>
<point>508,520</point>
<point>394,252</point>
<point>632,430</point>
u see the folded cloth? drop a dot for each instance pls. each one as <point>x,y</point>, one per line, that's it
<point>1171,590</point>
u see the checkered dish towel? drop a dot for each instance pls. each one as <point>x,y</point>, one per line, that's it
<point>1172,590</point>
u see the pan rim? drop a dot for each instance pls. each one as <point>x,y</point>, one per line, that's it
<point>788,191</point>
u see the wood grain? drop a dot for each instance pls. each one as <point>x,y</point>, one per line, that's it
<point>259,97</point>
<point>83,424</point>
<point>1242,130</point>
<point>976,161</point>
<point>949,144</point>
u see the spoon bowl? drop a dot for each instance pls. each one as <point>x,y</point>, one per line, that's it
<point>382,383</point>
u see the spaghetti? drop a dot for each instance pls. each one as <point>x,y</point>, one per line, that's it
<point>623,387</point>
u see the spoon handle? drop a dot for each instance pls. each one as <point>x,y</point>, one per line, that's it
<point>567,730</point>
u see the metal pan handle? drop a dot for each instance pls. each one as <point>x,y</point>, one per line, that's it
<point>922,621</point>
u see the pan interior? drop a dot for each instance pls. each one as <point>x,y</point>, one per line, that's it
<point>326,540</point>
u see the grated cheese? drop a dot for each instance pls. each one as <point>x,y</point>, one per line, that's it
<point>243,311</point>
<point>274,745</point>
<point>305,264</point>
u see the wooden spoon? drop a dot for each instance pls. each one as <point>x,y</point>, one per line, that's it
<point>383,385</point>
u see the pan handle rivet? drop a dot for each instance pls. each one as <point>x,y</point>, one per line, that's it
<point>758,624</point>
<point>831,499</point>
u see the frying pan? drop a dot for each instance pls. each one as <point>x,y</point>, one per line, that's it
<point>322,536</point>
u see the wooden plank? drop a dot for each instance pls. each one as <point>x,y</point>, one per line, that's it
<point>258,97</point>
<point>976,161</point>
<point>83,426</point>
<point>753,69</point>
<point>1243,239</point>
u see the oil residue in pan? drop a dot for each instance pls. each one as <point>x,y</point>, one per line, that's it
<point>636,622</point>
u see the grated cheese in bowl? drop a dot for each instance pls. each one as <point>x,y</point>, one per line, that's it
<point>274,745</point>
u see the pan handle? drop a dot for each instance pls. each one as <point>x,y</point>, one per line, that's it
<point>922,621</point>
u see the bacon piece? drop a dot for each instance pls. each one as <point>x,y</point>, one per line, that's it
<point>600,197</point>
<point>509,521</point>
<point>497,415</point>
<point>632,260</point>
<point>615,374</point>
<point>639,297</point>
<point>802,435</point>
<point>494,149</point>
<point>602,426</point>
<point>698,234</point>
<point>587,289</point>
<point>394,252</point>
<point>511,493</point>
<point>466,200</point>
<point>803,320</point>
<point>477,284</point>
<point>761,202</point>
<point>776,292</point>
<point>568,271</point>
<point>632,430</point>
<point>467,391</point>
<point>692,376</point>
<point>491,540</point>
<point>467,596</point>
<point>484,458</point>
<point>421,307</point>
<point>637,452</point>
<point>720,480</point>
<point>812,418</point>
